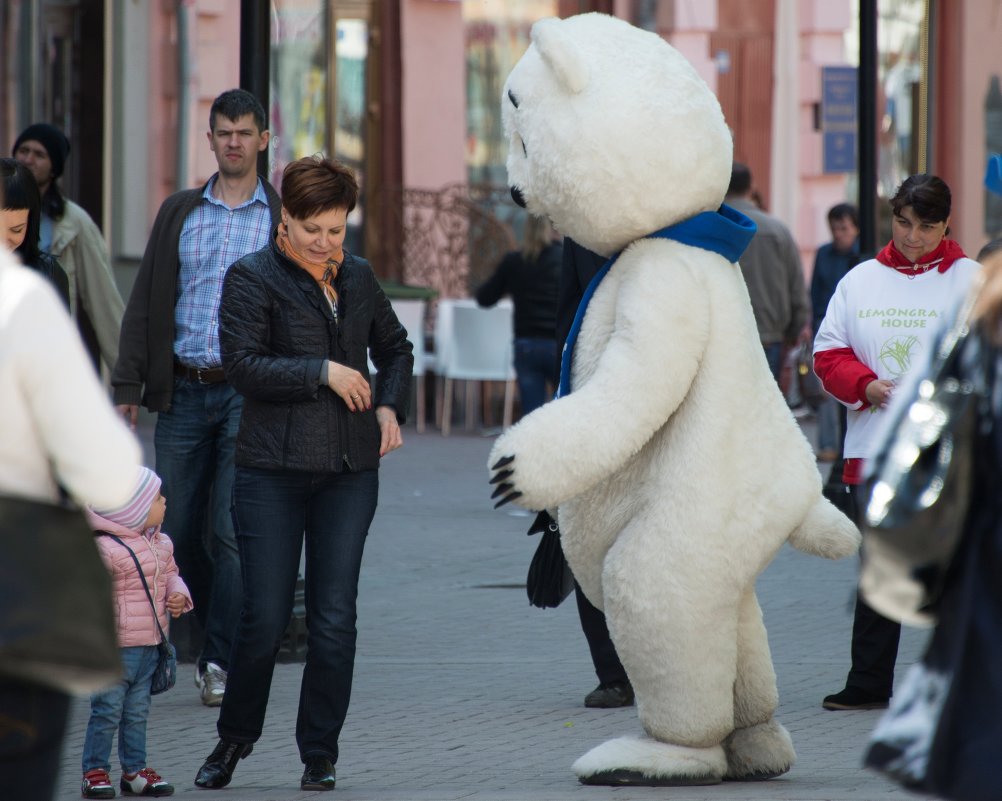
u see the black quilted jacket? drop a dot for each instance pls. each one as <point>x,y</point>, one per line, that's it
<point>275,330</point>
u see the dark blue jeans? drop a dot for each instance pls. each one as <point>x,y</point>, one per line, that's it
<point>272,510</point>
<point>774,356</point>
<point>32,724</point>
<point>535,365</point>
<point>195,442</point>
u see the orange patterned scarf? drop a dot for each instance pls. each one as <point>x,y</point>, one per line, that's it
<point>323,274</point>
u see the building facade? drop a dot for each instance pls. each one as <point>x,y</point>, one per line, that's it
<point>407,92</point>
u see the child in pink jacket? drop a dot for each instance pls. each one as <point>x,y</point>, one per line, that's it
<point>126,706</point>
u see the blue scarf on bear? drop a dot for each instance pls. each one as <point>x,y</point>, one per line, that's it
<point>726,231</point>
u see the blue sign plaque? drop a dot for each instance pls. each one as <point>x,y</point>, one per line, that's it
<point>839,118</point>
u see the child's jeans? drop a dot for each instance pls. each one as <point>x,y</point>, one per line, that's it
<point>125,707</point>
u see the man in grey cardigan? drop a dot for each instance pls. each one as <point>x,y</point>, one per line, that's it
<point>772,272</point>
<point>169,361</point>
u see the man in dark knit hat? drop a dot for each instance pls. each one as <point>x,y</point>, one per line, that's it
<point>70,235</point>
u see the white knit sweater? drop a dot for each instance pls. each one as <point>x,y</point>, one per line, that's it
<point>56,421</point>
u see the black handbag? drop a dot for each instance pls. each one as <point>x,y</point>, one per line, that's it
<point>165,674</point>
<point>922,480</point>
<point>57,622</point>
<point>838,492</point>
<point>550,579</point>
<point>811,390</point>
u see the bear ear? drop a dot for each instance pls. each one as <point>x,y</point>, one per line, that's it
<point>561,54</point>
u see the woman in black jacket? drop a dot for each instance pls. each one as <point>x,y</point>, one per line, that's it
<point>20,223</point>
<point>296,323</point>
<point>532,277</point>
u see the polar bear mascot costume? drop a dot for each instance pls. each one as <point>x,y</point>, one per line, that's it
<point>676,467</point>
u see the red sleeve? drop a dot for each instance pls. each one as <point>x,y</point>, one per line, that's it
<point>844,376</point>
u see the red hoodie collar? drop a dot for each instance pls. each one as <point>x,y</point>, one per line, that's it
<point>942,258</point>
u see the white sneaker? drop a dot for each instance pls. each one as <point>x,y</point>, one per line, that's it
<point>146,782</point>
<point>211,684</point>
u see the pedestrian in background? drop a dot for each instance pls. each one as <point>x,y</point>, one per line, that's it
<point>69,234</point>
<point>170,362</point>
<point>832,261</point>
<point>614,688</point>
<point>884,314</point>
<point>297,322</point>
<point>531,276</point>
<point>772,272</point>
<point>142,604</point>
<point>46,443</point>
<point>20,219</point>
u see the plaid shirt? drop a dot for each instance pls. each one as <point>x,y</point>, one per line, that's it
<point>212,238</point>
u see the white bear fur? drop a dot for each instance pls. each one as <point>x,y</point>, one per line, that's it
<point>675,463</point>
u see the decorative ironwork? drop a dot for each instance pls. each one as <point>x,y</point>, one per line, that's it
<point>448,240</point>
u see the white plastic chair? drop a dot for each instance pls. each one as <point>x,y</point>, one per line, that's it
<point>410,313</point>
<point>474,344</point>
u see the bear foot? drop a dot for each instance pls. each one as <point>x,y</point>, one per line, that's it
<point>758,753</point>
<point>647,762</point>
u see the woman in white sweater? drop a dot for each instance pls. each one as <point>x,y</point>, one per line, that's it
<point>57,429</point>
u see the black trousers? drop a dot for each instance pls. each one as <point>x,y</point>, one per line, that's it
<point>608,668</point>
<point>32,725</point>
<point>874,638</point>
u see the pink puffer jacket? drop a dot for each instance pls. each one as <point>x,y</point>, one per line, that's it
<point>136,624</point>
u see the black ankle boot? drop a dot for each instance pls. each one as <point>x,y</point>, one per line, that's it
<point>319,774</point>
<point>610,696</point>
<point>217,770</point>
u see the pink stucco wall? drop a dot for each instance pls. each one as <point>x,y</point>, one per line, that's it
<point>980,57</point>
<point>434,93</point>
<point>822,29</point>
<point>214,66</point>
<point>822,24</point>
<point>687,27</point>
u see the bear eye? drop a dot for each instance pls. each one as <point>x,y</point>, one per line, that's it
<point>521,141</point>
<point>511,97</point>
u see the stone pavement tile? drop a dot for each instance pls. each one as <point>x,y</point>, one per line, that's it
<point>463,691</point>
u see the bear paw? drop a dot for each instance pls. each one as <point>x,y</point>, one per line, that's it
<point>759,752</point>
<point>647,762</point>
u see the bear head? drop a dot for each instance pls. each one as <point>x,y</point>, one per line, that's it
<point>612,134</point>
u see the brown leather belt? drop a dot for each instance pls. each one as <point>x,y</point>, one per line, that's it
<point>200,375</point>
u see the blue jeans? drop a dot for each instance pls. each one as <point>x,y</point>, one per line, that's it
<point>535,365</point>
<point>774,356</point>
<point>272,510</point>
<point>829,430</point>
<point>195,442</point>
<point>124,707</point>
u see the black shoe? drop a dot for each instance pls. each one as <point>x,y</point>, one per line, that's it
<point>319,774</point>
<point>610,696</point>
<point>854,698</point>
<point>217,770</point>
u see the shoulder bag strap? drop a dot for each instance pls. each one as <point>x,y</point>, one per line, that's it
<point>142,578</point>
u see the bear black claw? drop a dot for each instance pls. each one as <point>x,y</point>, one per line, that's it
<point>501,476</point>
<point>501,489</point>
<point>504,461</point>
<point>508,498</point>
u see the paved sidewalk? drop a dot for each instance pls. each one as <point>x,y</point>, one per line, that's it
<point>464,691</point>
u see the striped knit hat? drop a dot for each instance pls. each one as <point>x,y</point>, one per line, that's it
<point>133,513</point>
